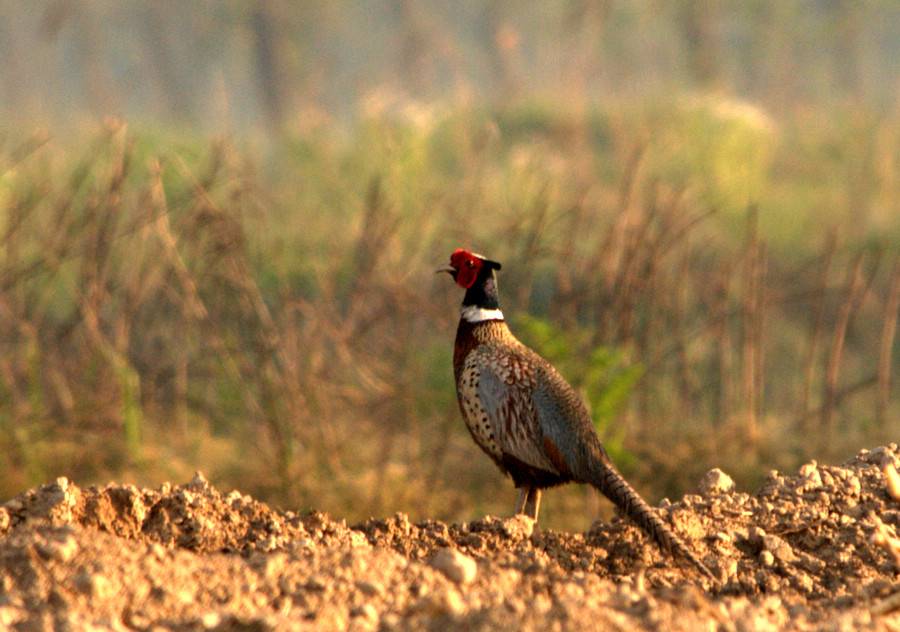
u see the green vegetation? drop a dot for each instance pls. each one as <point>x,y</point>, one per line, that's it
<point>722,289</point>
<point>602,376</point>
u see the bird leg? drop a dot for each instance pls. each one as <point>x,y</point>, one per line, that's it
<point>528,502</point>
<point>520,501</point>
<point>533,503</point>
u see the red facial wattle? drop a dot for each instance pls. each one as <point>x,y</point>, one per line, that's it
<point>467,266</point>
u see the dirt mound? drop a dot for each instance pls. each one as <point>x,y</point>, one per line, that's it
<point>800,553</point>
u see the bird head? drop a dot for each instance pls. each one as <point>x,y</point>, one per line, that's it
<point>465,267</point>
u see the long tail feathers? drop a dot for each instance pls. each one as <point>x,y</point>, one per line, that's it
<point>614,486</point>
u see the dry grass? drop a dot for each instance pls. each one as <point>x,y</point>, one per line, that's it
<point>278,326</point>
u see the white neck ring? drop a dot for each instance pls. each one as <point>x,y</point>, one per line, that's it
<point>475,314</point>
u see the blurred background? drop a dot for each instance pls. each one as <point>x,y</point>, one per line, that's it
<point>219,223</point>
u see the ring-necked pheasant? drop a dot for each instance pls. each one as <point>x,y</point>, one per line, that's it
<point>527,418</point>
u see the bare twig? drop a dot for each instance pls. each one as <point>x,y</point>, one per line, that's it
<point>852,285</point>
<point>818,308</point>
<point>889,328</point>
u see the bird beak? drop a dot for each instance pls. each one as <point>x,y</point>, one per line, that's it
<point>446,268</point>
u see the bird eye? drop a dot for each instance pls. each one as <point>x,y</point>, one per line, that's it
<point>470,264</point>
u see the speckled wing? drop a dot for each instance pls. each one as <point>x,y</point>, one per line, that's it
<point>505,390</point>
<point>567,431</point>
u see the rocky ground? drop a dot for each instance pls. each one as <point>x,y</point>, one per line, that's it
<point>811,550</point>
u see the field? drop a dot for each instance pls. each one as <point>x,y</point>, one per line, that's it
<point>219,225</point>
<point>722,290</point>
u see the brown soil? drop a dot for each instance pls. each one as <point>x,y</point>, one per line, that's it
<point>799,554</point>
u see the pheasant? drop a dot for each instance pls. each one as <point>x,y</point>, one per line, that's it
<point>525,416</point>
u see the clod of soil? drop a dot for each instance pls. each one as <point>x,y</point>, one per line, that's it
<point>814,550</point>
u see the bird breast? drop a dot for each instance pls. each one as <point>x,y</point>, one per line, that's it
<point>496,398</point>
<point>473,411</point>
